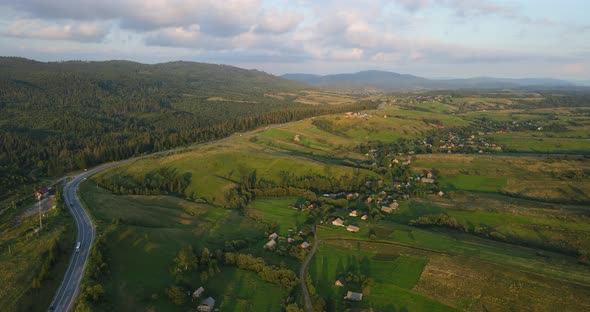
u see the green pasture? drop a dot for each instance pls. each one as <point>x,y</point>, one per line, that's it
<point>278,211</point>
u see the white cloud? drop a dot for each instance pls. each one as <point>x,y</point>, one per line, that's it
<point>34,28</point>
<point>277,22</point>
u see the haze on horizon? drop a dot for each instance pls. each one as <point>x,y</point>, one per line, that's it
<point>431,38</point>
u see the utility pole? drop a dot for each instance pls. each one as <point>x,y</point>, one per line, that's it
<point>38,194</point>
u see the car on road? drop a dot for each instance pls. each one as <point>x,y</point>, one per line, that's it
<point>78,246</point>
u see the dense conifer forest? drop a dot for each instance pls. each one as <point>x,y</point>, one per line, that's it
<point>62,116</point>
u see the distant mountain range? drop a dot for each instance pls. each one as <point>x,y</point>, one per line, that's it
<point>390,81</point>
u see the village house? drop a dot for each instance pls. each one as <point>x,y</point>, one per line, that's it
<point>338,222</point>
<point>440,193</point>
<point>389,209</point>
<point>273,236</point>
<point>206,305</point>
<point>430,175</point>
<point>353,296</point>
<point>271,244</point>
<point>304,245</point>
<point>290,240</point>
<point>353,213</point>
<point>297,138</point>
<point>198,292</point>
<point>364,217</point>
<point>340,281</point>
<point>407,162</point>
<point>352,228</point>
<point>427,180</point>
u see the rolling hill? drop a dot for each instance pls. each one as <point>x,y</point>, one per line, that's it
<point>61,116</point>
<point>390,81</point>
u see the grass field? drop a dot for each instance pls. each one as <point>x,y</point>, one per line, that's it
<point>23,253</point>
<point>241,290</point>
<point>526,142</point>
<point>151,230</point>
<point>391,278</point>
<point>279,211</point>
<point>525,176</point>
<point>546,263</point>
<point>214,169</point>
<point>462,272</point>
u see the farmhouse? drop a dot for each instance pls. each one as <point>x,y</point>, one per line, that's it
<point>430,175</point>
<point>340,281</point>
<point>338,222</point>
<point>354,296</point>
<point>440,193</point>
<point>273,236</point>
<point>386,209</point>
<point>297,138</point>
<point>206,305</point>
<point>390,208</point>
<point>364,217</point>
<point>198,292</point>
<point>304,245</point>
<point>271,244</point>
<point>353,213</point>
<point>427,180</point>
<point>352,228</point>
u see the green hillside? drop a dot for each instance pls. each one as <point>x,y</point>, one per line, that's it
<point>63,116</point>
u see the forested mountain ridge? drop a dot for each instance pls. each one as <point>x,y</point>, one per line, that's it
<point>391,81</point>
<point>60,116</point>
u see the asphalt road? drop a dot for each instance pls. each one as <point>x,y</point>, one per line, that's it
<point>68,290</point>
<point>306,299</point>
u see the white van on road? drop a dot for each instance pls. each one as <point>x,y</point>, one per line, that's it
<point>78,246</point>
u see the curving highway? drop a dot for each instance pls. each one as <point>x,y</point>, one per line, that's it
<point>67,291</point>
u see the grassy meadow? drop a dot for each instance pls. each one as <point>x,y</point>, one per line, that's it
<point>151,230</point>
<point>24,252</point>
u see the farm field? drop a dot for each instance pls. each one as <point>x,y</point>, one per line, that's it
<point>518,175</point>
<point>280,211</point>
<point>150,231</point>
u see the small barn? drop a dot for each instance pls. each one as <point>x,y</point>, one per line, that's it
<point>198,292</point>
<point>352,228</point>
<point>270,245</point>
<point>206,305</point>
<point>353,296</point>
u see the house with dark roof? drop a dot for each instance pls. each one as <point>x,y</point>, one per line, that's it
<point>340,281</point>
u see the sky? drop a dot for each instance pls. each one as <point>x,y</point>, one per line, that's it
<point>430,38</point>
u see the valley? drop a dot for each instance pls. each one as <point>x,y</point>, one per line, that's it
<point>466,230</point>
